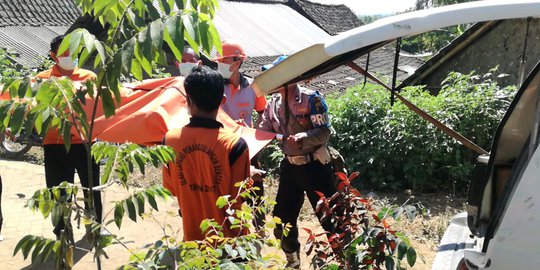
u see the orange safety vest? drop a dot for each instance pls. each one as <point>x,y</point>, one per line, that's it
<point>209,161</point>
<point>79,74</point>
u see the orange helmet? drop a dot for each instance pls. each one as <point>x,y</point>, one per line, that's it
<point>232,49</point>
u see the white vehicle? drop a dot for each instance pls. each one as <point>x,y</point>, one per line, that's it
<point>499,229</point>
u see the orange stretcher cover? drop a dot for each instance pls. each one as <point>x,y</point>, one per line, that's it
<point>149,109</point>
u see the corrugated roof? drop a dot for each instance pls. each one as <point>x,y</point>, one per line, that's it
<point>333,19</point>
<point>31,44</point>
<point>266,29</point>
<point>38,12</point>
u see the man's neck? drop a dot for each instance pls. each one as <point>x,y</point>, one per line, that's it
<point>64,72</point>
<point>235,79</point>
<point>203,114</point>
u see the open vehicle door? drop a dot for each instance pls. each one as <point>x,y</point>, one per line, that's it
<point>502,212</point>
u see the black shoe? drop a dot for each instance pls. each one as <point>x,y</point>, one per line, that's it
<point>293,260</point>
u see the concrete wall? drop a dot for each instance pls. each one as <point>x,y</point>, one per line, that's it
<point>502,46</point>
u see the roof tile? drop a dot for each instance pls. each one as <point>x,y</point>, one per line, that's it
<point>38,12</point>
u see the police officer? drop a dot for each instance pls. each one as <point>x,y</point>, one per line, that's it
<point>301,116</point>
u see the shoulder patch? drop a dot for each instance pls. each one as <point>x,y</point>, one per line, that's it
<point>318,111</point>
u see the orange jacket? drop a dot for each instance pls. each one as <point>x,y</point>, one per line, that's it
<point>209,161</point>
<point>79,74</point>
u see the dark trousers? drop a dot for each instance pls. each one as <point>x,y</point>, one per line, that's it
<point>259,218</point>
<point>294,180</point>
<point>60,166</point>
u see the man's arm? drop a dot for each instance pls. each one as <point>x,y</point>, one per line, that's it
<point>239,162</point>
<point>266,123</point>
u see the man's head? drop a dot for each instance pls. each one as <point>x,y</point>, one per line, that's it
<point>204,89</point>
<point>64,61</point>
<point>231,60</point>
<point>189,61</point>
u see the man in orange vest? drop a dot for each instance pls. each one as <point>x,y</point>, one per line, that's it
<point>188,63</point>
<point>60,164</point>
<point>209,158</point>
<point>241,101</point>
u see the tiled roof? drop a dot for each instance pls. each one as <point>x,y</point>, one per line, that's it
<point>333,19</point>
<point>38,12</point>
<point>381,64</point>
<point>28,26</point>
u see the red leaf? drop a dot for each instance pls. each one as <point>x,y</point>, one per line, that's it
<point>321,195</point>
<point>376,218</point>
<point>311,237</point>
<point>341,176</point>
<point>385,224</point>
<point>353,176</point>
<point>321,234</point>
<point>341,185</point>
<point>356,192</point>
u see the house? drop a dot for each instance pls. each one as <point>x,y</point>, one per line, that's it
<point>482,47</point>
<point>28,26</point>
<point>265,28</point>
<point>270,28</point>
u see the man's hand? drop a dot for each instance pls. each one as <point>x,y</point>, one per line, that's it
<point>297,139</point>
<point>256,174</point>
<point>241,122</point>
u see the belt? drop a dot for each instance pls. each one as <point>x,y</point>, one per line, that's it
<point>300,160</point>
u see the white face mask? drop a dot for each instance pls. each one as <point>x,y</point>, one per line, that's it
<point>224,70</point>
<point>186,68</point>
<point>67,63</point>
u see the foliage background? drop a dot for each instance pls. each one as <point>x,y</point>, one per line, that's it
<point>393,148</point>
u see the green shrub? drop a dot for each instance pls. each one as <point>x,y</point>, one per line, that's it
<point>394,148</point>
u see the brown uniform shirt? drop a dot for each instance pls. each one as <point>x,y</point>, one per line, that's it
<point>308,113</point>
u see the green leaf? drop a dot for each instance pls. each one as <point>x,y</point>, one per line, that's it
<point>89,41</point>
<point>222,201</point>
<point>151,199</point>
<point>389,263</point>
<point>156,34</point>
<point>132,211</point>
<point>136,69</point>
<point>118,214</point>
<point>56,214</point>
<point>17,119</point>
<point>174,36</point>
<point>83,58</point>
<point>152,11</point>
<point>37,250</point>
<point>107,102</point>
<point>74,43</point>
<point>402,250</point>
<point>164,5</point>
<point>26,248</point>
<point>26,240</point>
<point>64,45</point>
<point>411,256</point>
<point>24,88</point>
<point>66,134</point>
<point>128,51</point>
<point>139,199</point>
<point>205,224</point>
<point>101,52</point>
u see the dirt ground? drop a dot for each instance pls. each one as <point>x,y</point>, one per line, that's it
<point>424,230</point>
